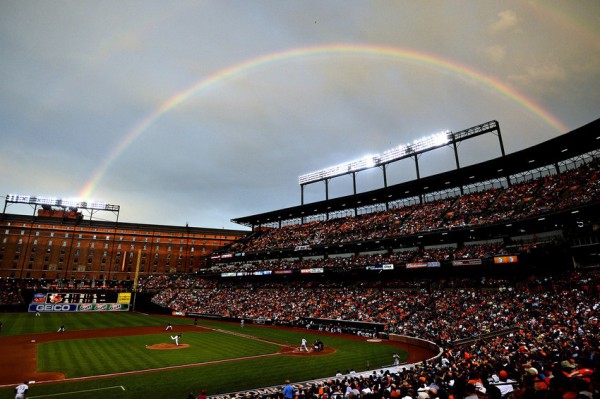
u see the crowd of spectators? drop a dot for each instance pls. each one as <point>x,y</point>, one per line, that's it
<point>560,379</point>
<point>9,293</point>
<point>551,193</point>
<point>423,310</point>
<point>181,281</point>
<point>547,343</point>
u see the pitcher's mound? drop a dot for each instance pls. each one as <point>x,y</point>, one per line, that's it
<point>166,347</point>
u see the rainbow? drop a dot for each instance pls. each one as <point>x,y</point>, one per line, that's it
<point>394,53</point>
<point>565,18</point>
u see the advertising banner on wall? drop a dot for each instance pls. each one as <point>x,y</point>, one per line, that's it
<point>53,307</point>
<point>467,262</point>
<point>78,307</point>
<point>419,265</point>
<point>103,307</point>
<point>499,260</point>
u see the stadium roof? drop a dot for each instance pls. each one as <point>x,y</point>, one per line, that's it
<point>570,145</point>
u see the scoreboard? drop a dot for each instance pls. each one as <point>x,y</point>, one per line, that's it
<point>80,301</point>
<point>77,297</point>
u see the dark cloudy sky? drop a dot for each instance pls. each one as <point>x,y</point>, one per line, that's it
<point>204,111</point>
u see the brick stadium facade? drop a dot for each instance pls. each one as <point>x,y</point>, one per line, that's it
<point>90,253</point>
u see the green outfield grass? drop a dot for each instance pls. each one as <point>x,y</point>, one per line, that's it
<point>28,323</point>
<point>84,357</point>
<point>119,354</point>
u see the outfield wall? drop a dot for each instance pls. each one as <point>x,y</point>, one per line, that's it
<point>78,307</point>
<point>88,301</point>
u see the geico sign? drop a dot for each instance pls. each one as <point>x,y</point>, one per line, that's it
<point>64,307</point>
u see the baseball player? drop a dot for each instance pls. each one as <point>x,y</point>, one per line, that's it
<point>169,327</point>
<point>21,390</point>
<point>176,339</point>
<point>303,345</point>
<point>61,328</point>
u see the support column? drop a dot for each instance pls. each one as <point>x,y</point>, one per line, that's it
<point>456,159</point>
<point>418,175</point>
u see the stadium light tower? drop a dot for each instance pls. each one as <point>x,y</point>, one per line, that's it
<point>412,150</point>
<point>69,205</point>
<point>372,161</point>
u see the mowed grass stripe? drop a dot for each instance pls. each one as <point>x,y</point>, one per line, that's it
<point>146,357</point>
<point>117,354</point>
<point>56,353</point>
<point>64,355</point>
<point>94,355</point>
<point>120,354</point>
<point>232,347</point>
<point>77,358</point>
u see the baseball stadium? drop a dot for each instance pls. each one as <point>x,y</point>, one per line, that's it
<point>481,281</point>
